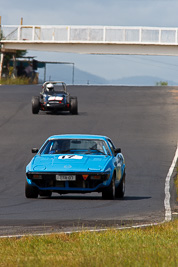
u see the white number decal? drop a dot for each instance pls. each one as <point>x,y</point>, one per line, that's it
<point>55,98</point>
<point>70,157</point>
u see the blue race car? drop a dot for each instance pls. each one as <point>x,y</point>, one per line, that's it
<point>54,99</point>
<point>76,164</point>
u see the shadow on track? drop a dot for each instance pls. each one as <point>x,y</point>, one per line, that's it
<point>94,198</point>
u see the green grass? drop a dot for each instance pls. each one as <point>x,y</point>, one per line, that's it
<point>10,81</point>
<point>151,246</point>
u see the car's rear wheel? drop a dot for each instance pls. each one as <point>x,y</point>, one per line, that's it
<point>73,105</point>
<point>109,192</point>
<point>120,190</point>
<point>30,191</point>
<point>35,104</point>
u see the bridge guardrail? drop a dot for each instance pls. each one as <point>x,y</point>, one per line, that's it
<point>89,34</point>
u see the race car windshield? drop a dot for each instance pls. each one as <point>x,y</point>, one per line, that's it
<point>58,88</point>
<point>75,146</point>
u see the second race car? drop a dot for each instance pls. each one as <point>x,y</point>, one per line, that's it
<point>54,99</point>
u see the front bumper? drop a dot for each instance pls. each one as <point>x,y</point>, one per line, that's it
<point>55,106</point>
<point>94,182</point>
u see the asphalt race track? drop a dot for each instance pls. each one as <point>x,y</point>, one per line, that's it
<point>142,121</point>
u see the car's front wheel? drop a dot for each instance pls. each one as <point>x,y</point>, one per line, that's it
<point>73,105</point>
<point>109,192</point>
<point>35,104</point>
<point>30,191</point>
<point>120,190</point>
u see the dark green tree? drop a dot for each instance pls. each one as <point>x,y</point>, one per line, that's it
<point>8,56</point>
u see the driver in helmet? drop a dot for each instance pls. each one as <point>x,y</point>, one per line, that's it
<point>50,88</point>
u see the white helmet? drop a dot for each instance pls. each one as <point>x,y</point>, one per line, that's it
<point>49,87</point>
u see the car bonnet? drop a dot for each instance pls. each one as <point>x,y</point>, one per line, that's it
<point>70,163</point>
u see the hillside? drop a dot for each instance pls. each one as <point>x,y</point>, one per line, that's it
<point>65,73</point>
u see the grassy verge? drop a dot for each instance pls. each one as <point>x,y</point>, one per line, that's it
<point>151,246</point>
<point>10,81</point>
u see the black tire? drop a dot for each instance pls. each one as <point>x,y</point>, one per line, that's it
<point>120,190</point>
<point>35,104</point>
<point>73,105</point>
<point>30,191</point>
<point>109,192</point>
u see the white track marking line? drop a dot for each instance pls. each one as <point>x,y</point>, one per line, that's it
<point>79,231</point>
<point>168,215</point>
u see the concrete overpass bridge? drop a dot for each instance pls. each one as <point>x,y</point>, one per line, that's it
<point>88,40</point>
<point>91,39</point>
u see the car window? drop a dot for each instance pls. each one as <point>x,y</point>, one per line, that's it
<point>111,145</point>
<point>75,146</point>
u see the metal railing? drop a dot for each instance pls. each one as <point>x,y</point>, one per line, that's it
<point>89,34</point>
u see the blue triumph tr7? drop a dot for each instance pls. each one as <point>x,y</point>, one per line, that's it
<point>76,164</point>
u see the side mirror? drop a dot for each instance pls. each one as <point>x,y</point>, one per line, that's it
<point>35,150</point>
<point>117,150</point>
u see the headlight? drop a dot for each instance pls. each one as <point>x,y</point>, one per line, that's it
<point>95,177</point>
<point>34,176</point>
<point>103,177</point>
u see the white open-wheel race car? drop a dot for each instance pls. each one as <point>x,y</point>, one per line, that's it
<point>54,97</point>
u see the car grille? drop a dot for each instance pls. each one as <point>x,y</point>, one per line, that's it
<point>49,180</point>
<point>53,102</point>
